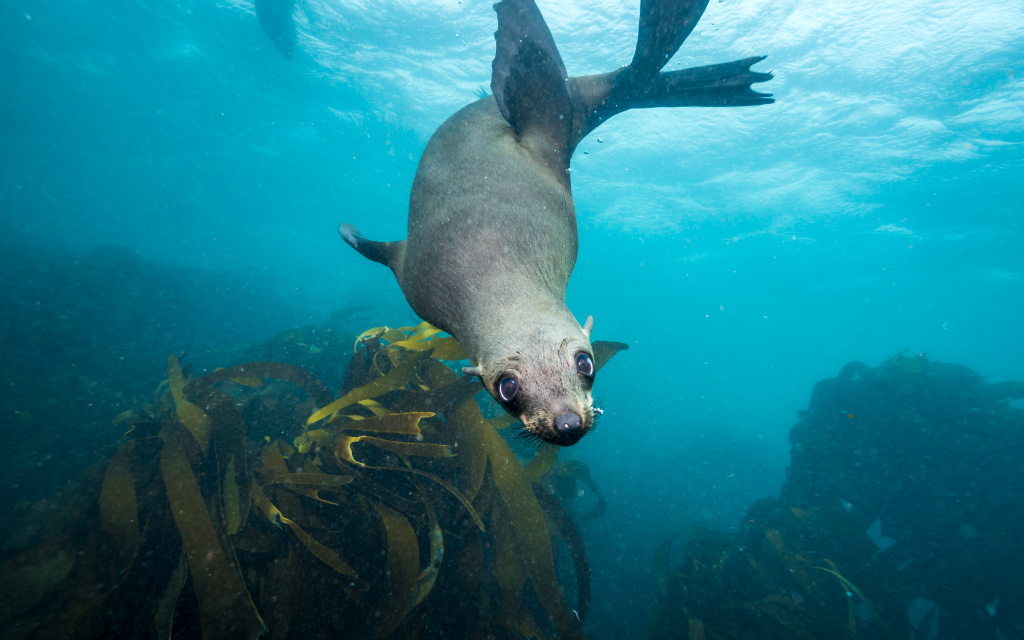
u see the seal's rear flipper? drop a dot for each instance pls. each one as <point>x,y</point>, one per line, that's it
<point>716,85</point>
<point>664,24</point>
<point>386,253</point>
<point>529,80</point>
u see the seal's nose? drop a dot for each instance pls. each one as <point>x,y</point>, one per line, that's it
<point>568,424</point>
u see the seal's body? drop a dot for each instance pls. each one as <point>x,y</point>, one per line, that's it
<point>492,226</point>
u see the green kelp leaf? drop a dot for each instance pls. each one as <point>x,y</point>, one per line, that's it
<point>301,483</point>
<point>442,397</point>
<point>248,381</point>
<point>164,618</point>
<point>578,550</point>
<point>121,417</point>
<point>541,463</point>
<point>604,351</point>
<point>440,348</point>
<point>375,408</point>
<point>225,608</point>
<point>303,443</point>
<point>194,418</point>
<point>343,448</point>
<point>403,423</point>
<point>343,451</point>
<point>252,370</point>
<point>322,480</point>
<point>422,331</point>
<point>329,557</point>
<point>273,460</point>
<point>229,444</point>
<point>527,520</point>
<point>119,509</point>
<point>451,489</point>
<point>383,333</point>
<point>232,499</point>
<point>510,575</point>
<point>467,425</point>
<point>395,379</point>
<point>849,586</point>
<point>796,563</point>
<point>503,422</point>
<point>272,456</point>
<point>428,577</point>
<point>403,569</point>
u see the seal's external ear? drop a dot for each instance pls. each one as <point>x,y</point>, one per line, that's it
<point>529,80</point>
<point>588,326</point>
<point>473,371</point>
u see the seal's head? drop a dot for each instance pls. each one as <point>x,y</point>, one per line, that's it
<point>546,382</point>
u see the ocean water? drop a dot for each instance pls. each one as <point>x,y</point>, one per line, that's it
<point>170,181</point>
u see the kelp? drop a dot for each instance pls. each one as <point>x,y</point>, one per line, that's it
<point>252,501</point>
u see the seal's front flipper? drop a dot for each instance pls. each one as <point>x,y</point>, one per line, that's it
<point>664,25</point>
<point>529,80</point>
<point>387,253</point>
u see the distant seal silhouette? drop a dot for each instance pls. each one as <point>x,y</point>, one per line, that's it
<point>276,18</point>
<point>492,226</point>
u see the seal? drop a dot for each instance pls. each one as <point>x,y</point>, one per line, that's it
<point>492,236</point>
<point>276,18</point>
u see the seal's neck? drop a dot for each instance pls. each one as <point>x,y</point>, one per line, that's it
<point>519,325</point>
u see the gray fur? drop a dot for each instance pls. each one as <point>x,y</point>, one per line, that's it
<point>492,225</point>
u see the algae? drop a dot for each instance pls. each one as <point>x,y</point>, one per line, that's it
<point>253,501</point>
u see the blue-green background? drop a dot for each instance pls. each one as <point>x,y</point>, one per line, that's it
<point>743,254</point>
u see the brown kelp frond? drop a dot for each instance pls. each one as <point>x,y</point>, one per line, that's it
<point>251,500</point>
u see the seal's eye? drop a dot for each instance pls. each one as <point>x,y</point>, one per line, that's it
<point>584,364</point>
<point>507,388</point>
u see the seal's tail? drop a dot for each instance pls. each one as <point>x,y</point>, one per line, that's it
<point>386,253</point>
<point>664,25</point>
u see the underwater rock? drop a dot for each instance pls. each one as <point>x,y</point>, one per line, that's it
<point>903,492</point>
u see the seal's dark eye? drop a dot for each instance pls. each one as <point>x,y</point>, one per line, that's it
<point>584,364</point>
<point>507,388</point>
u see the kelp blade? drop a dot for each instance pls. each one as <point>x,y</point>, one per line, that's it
<point>395,379</point>
<point>527,519</point>
<point>190,415</point>
<point>274,515</point>
<point>403,569</point>
<point>225,608</point>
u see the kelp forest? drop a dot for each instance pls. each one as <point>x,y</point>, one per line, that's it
<point>328,483</point>
<point>255,501</point>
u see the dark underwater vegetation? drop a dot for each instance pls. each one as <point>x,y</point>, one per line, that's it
<point>814,433</point>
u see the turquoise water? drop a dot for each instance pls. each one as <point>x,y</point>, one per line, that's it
<point>169,179</point>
